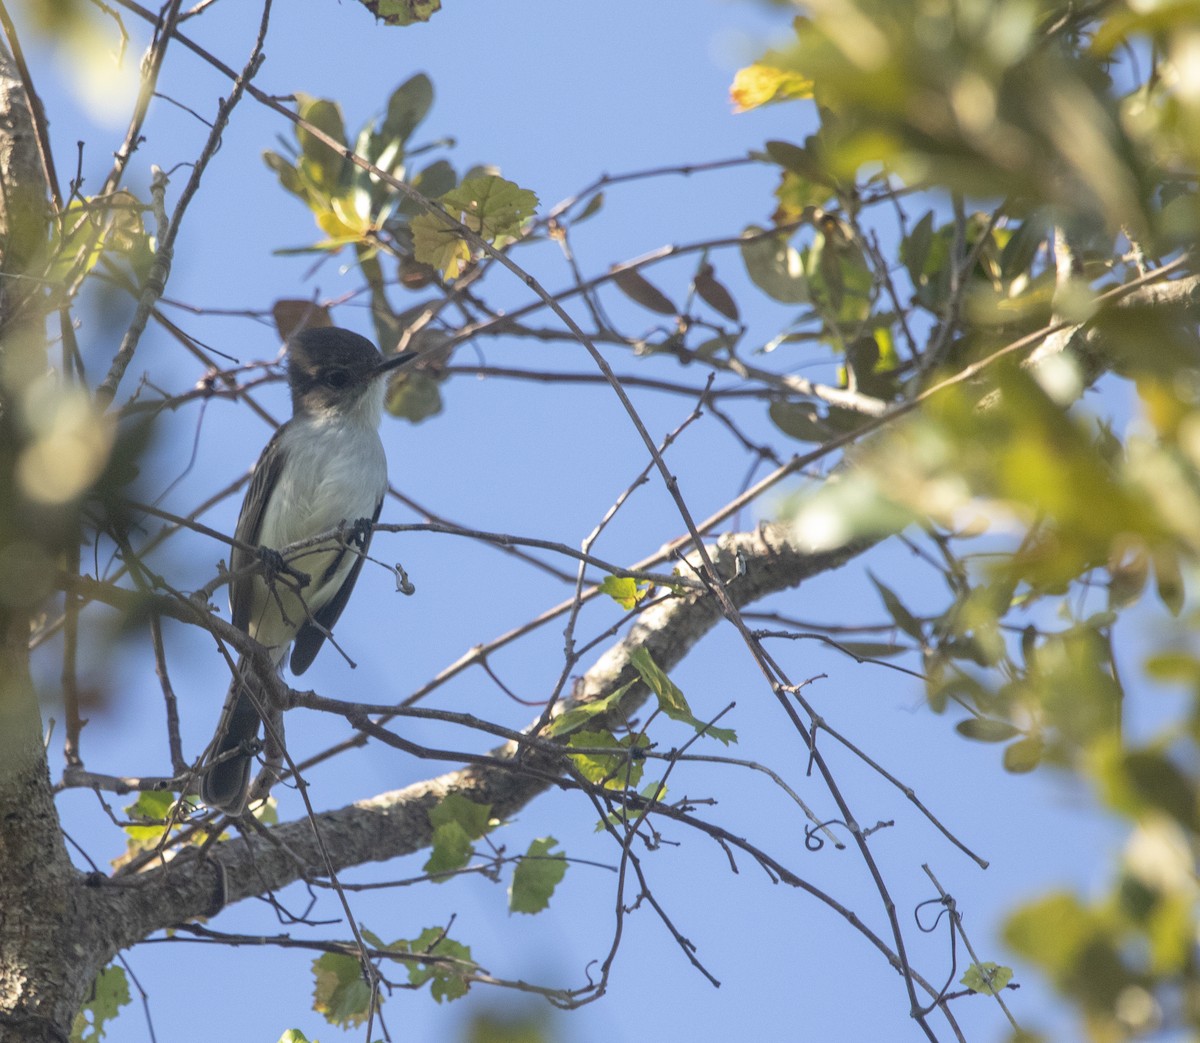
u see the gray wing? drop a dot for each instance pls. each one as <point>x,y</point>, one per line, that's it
<point>249,526</point>
<point>310,638</point>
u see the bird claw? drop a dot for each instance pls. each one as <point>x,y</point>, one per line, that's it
<point>274,565</point>
<point>360,532</point>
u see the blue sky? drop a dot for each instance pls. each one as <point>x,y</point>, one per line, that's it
<point>554,94</point>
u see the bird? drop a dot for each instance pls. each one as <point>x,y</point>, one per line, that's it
<point>323,469</point>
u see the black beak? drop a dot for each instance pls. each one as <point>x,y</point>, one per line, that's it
<point>394,361</point>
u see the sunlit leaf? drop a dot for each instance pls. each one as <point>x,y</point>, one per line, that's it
<point>108,995</point>
<point>577,716</point>
<point>624,590</point>
<point>320,165</point>
<point>670,699</point>
<point>491,206</point>
<point>486,205</point>
<point>986,978</point>
<point>618,770</point>
<point>439,245</point>
<point>761,84</point>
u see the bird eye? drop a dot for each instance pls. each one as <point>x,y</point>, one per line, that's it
<point>337,378</point>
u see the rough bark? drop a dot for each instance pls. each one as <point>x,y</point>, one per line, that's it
<point>397,823</point>
<point>43,938</point>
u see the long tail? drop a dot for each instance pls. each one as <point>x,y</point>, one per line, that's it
<point>225,786</point>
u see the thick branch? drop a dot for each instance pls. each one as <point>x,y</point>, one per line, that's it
<point>754,564</point>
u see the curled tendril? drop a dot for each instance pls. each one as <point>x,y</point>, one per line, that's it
<point>814,842</point>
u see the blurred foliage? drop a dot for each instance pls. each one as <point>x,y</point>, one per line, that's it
<point>980,171</point>
<point>1074,127</point>
<point>531,1025</point>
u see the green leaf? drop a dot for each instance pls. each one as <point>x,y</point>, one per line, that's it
<point>109,994</point>
<point>618,770</point>
<point>339,992</point>
<point>476,819</point>
<point>293,1036</point>
<point>797,160</point>
<point>456,823</point>
<point>795,194</point>
<point>799,420</point>
<point>1161,784</point>
<point>409,105</point>
<point>577,716</point>
<point>491,206</point>
<point>448,981</point>
<point>150,821</point>
<point>1173,666</point>
<point>1019,252</point>
<point>439,245</point>
<point>986,729</point>
<point>670,699</point>
<point>901,616</point>
<point>487,205</point>
<point>1023,755</point>
<point>840,282</point>
<point>624,590</point>
<point>450,849</point>
<point>436,179</point>
<point>1168,580</point>
<point>285,170</point>
<point>986,978</point>
<point>414,395</point>
<point>915,248</point>
<point>775,266</point>
<point>403,12</point>
<point>320,165</point>
<point>536,877</point>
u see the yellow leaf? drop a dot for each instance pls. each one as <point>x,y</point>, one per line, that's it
<point>760,84</point>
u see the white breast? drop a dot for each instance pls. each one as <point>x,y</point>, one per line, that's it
<point>335,472</point>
